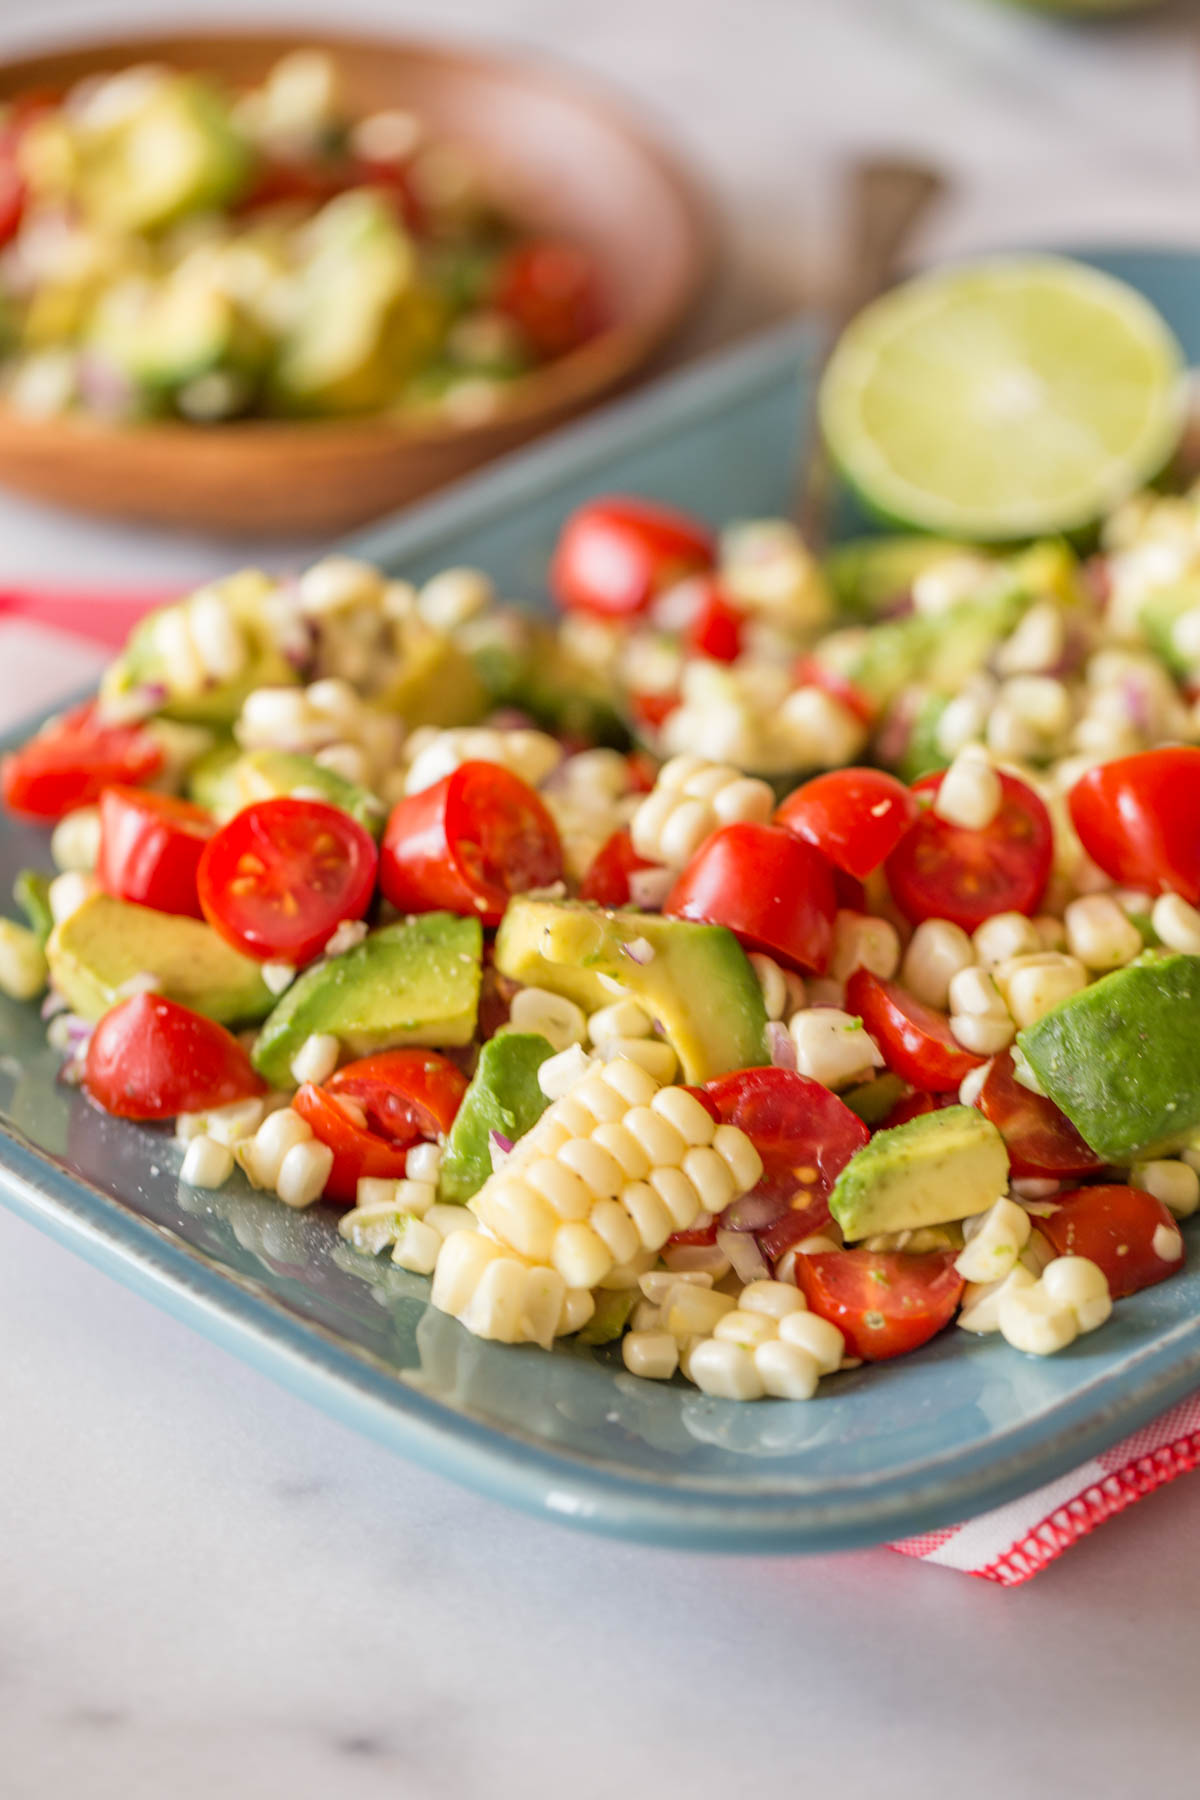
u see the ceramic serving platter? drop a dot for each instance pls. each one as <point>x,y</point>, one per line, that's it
<point>882,1453</point>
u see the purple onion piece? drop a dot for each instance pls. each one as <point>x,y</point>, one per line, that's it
<point>498,1141</point>
<point>754,1211</point>
<point>782,1045</point>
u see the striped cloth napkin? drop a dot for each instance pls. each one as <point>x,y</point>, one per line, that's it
<point>55,642</point>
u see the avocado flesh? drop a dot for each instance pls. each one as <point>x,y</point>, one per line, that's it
<point>31,891</point>
<point>146,663</point>
<point>504,1096</point>
<point>177,153</point>
<point>1120,1058</point>
<point>106,942</point>
<point>697,982</point>
<point>415,982</point>
<point>1158,618</point>
<point>230,782</point>
<point>867,574</point>
<point>932,1170</point>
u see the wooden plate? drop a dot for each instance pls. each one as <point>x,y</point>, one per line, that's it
<point>566,159</point>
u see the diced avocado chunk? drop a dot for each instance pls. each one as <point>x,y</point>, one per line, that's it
<point>176,153</point>
<point>1159,616</point>
<point>1122,1058</point>
<point>504,1096</point>
<point>922,754</point>
<point>933,1169</point>
<point>873,1100</point>
<point>614,1307</point>
<point>22,961</point>
<point>694,979</point>
<point>415,982</point>
<point>228,783</point>
<point>31,891</point>
<point>867,574</point>
<point>106,942</point>
<point>149,660</point>
<point>176,332</point>
<point>435,682</point>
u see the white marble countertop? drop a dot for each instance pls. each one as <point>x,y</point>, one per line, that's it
<point>205,1585</point>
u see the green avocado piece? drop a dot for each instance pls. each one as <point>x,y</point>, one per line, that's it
<point>31,891</point>
<point>1161,613</point>
<point>105,943</point>
<point>921,755</point>
<point>873,1100</point>
<point>177,332</point>
<point>1120,1058</point>
<point>933,1169</point>
<point>504,1096</point>
<point>522,662</point>
<point>613,1309</point>
<point>415,982</point>
<point>148,660</point>
<point>228,783</point>
<point>695,979</point>
<point>177,153</point>
<point>867,574</point>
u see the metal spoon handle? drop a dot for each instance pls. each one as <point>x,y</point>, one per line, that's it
<point>887,197</point>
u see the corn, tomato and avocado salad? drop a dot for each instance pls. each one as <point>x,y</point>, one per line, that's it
<point>172,248</point>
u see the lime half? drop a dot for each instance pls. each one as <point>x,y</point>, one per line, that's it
<point>1004,399</point>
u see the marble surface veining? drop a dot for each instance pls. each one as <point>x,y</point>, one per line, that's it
<point>206,1587</point>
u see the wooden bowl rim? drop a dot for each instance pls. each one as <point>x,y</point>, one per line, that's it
<point>594,368</point>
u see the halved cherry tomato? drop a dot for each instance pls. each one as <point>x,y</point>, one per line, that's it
<point>855,817</point>
<point>281,875</point>
<point>707,621</point>
<point>643,771</point>
<point>607,881</point>
<point>805,1136</point>
<point>915,1106</point>
<point>944,871</point>
<point>809,671</point>
<point>72,759</point>
<point>1115,1227</point>
<point>1136,817</point>
<point>885,1303</point>
<point>407,1096</point>
<point>150,1058</point>
<point>614,555</point>
<point>772,891</point>
<point>916,1041</point>
<point>469,842</point>
<point>1041,1141</point>
<point>552,291</point>
<point>649,712</point>
<point>150,849</point>
<point>12,198</point>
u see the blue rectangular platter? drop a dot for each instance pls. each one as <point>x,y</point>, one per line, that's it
<point>881,1453</point>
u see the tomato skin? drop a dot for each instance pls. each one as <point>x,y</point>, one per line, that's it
<point>614,555</point>
<point>809,671</point>
<point>407,1096</point>
<point>1136,818</point>
<point>150,849</point>
<point>552,291</point>
<point>805,1136</point>
<point>68,764</point>
<point>712,623</point>
<point>884,1303</point>
<point>469,842</point>
<point>774,892</point>
<point>944,871</point>
<point>855,817</point>
<point>916,1041</point>
<point>607,881</point>
<point>1041,1141</point>
<point>1114,1227</point>
<point>279,877</point>
<point>915,1106</point>
<point>650,712</point>
<point>150,1058</point>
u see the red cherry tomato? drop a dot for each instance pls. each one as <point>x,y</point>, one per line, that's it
<point>12,198</point>
<point>916,1041</point>
<point>805,1136</point>
<point>643,771</point>
<point>855,817</point>
<point>884,1303</point>
<point>468,843</point>
<point>552,291</point>
<point>708,621</point>
<point>944,871</point>
<point>607,881</point>
<point>72,759</point>
<point>615,555</point>
<point>772,891</point>
<point>1114,1227</point>
<point>915,1106</point>
<point>809,671</point>
<point>150,1058</point>
<point>279,878</point>
<point>649,712</point>
<point>407,1096</point>
<point>1041,1141</point>
<point>150,849</point>
<point>1136,817</point>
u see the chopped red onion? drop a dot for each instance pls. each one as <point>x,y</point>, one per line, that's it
<point>754,1212</point>
<point>498,1141</point>
<point>782,1045</point>
<point>744,1255</point>
<point>53,1004</point>
<point>648,888</point>
<point>638,951</point>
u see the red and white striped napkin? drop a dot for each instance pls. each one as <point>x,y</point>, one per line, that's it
<point>42,661</point>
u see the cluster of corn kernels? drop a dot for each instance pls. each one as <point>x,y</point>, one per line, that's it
<point>430,753</point>
<point>763,1341</point>
<point>405,1216</point>
<point>622,1029</point>
<point>750,714</point>
<point>327,720</point>
<point>590,797</point>
<point>691,798</point>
